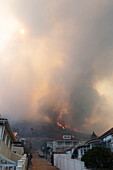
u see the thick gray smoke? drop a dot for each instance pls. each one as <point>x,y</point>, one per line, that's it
<point>62,69</point>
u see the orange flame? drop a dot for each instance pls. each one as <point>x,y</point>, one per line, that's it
<point>75,130</point>
<point>14,133</point>
<point>67,126</point>
<point>60,125</point>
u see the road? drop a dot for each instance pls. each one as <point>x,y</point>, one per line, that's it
<point>40,164</point>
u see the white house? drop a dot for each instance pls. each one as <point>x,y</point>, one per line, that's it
<point>6,140</point>
<point>105,140</point>
<point>63,141</point>
<point>81,150</point>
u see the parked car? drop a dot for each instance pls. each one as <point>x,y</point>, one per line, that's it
<point>41,154</point>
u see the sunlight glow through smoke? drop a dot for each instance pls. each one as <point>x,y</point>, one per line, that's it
<point>8,27</point>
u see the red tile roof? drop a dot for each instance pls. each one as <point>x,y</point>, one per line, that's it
<point>3,119</point>
<point>50,140</point>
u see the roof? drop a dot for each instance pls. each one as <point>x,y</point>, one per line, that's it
<point>93,140</point>
<point>93,136</point>
<point>64,149</point>
<point>3,119</point>
<point>8,127</point>
<point>89,141</point>
<point>109,132</point>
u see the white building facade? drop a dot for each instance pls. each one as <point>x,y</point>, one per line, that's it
<point>105,140</point>
<point>8,159</point>
<point>63,141</point>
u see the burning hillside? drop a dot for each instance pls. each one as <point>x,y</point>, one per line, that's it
<point>67,127</point>
<point>45,130</point>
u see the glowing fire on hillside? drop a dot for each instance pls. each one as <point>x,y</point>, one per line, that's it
<point>60,125</point>
<point>15,133</point>
<point>67,127</point>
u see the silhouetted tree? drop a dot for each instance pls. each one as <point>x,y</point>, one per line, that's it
<point>98,157</point>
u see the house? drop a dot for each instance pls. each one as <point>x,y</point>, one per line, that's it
<point>63,141</point>
<point>105,140</point>
<point>6,140</point>
<point>81,150</point>
<point>17,147</point>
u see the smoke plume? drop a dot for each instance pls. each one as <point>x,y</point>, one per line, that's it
<point>61,69</point>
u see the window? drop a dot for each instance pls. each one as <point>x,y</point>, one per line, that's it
<point>66,137</point>
<point>74,143</point>
<point>84,150</point>
<point>60,142</point>
<point>7,142</point>
<point>68,143</point>
<point>4,135</point>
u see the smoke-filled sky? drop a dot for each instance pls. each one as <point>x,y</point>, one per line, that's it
<point>56,62</point>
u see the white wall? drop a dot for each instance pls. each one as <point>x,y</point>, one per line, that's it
<point>107,138</point>
<point>56,156</point>
<point>18,150</point>
<point>63,162</point>
<point>22,163</point>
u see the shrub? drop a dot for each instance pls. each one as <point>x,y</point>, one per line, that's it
<point>98,157</point>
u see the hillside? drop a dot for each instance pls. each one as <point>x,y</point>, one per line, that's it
<point>44,130</point>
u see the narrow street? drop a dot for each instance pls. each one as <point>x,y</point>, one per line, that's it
<point>40,164</point>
